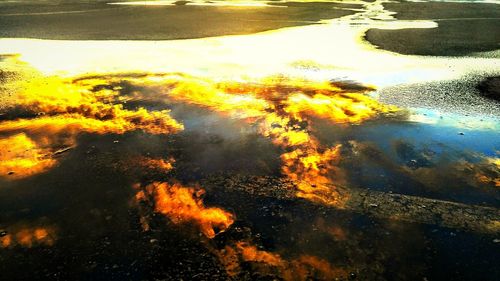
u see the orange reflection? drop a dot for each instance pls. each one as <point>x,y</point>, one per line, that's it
<point>251,253</point>
<point>488,172</point>
<point>184,205</point>
<point>157,163</point>
<point>305,267</point>
<point>28,237</point>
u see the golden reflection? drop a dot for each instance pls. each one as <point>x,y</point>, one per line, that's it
<point>63,104</point>
<point>21,157</point>
<point>281,108</point>
<point>56,110</point>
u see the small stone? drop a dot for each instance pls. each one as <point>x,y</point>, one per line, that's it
<point>461,133</point>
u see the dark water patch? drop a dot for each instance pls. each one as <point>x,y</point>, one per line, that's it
<point>434,161</point>
<point>477,252</point>
<point>369,248</point>
<point>100,236</point>
<point>379,235</point>
<point>200,155</point>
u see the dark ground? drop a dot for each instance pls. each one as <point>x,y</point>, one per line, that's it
<point>490,88</point>
<point>108,22</point>
<point>470,95</point>
<point>464,28</point>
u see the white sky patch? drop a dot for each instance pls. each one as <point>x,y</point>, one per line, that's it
<point>459,121</point>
